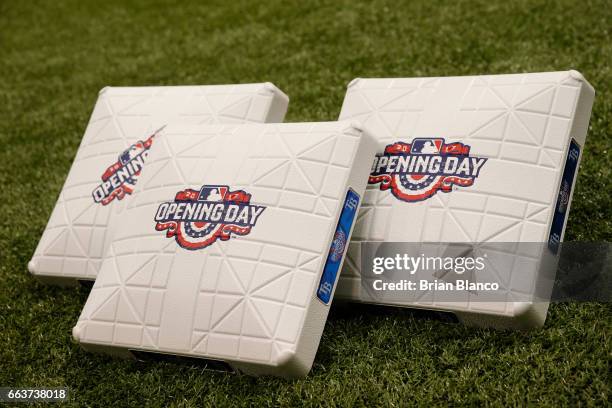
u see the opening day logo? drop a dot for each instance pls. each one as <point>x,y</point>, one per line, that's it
<point>120,178</point>
<point>197,219</point>
<point>416,171</point>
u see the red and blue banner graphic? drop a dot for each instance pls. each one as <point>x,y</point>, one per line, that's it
<point>416,171</point>
<point>198,218</point>
<point>120,178</point>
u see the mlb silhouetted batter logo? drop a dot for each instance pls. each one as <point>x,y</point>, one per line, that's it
<point>198,218</point>
<point>418,170</point>
<point>120,178</point>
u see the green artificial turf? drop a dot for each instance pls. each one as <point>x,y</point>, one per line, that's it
<point>56,55</point>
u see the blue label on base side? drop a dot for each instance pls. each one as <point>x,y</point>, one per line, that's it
<point>565,192</point>
<point>338,246</point>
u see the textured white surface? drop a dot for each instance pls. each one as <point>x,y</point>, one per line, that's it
<point>522,123</point>
<point>76,235</point>
<point>250,300</point>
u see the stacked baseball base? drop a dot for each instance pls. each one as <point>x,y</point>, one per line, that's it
<point>231,247</point>
<point>125,123</point>
<point>474,159</point>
